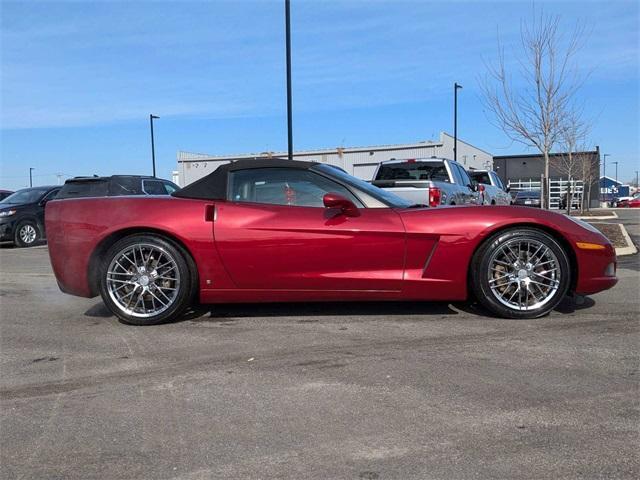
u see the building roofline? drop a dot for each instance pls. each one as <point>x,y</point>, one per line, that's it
<point>462,141</point>
<point>539,155</point>
<point>306,153</point>
<point>202,157</point>
<point>612,179</point>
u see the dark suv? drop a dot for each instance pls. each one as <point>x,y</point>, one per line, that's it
<point>116,185</point>
<point>22,215</point>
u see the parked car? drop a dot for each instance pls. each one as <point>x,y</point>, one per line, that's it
<point>278,230</point>
<point>432,181</point>
<point>528,198</point>
<point>22,215</point>
<point>4,194</point>
<point>634,202</point>
<point>620,201</point>
<point>116,185</point>
<point>491,190</point>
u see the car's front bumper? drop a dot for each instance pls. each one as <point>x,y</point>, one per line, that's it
<point>596,270</point>
<point>7,226</point>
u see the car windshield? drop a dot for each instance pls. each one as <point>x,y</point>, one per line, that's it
<point>413,170</point>
<point>27,195</point>
<point>480,177</point>
<point>380,194</point>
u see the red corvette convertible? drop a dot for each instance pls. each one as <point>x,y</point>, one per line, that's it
<point>280,231</point>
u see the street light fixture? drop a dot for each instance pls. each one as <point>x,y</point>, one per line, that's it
<point>455,120</point>
<point>153,146</point>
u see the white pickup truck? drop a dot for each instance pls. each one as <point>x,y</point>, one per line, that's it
<point>491,190</point>
<point>429,181</point>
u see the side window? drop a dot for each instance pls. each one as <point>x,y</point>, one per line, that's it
<point>283,186</point>
<point>497,180</point>
<point>51,195</point>
<point>455,170</point>
<point>170,187</point>
<point>464,176</point>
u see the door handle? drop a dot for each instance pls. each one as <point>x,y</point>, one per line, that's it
<point>210,213</point>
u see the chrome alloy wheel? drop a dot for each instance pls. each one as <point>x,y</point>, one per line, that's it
<point>28,233</point>
<point>524,274</point>
<point>143,280</point>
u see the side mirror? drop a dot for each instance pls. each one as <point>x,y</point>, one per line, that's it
<point>473,186</point>
<point>346,206</point>
<point>508,189</point>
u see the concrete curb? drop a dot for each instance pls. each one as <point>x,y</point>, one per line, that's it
<point>630,249</point>
<point>602,217</point>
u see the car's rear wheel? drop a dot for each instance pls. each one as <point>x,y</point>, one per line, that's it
<point>27,234</point>
<point>521,273</point>
<point>146,280</point>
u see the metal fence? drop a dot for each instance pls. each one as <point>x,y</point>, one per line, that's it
<point>557,189</point>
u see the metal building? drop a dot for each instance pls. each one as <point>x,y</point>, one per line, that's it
<point>358,161</point>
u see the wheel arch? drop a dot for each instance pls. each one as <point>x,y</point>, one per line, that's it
<point>555,234</point>
<point>106,243</point>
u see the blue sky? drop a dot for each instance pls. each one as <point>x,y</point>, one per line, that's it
<point>79,78</point>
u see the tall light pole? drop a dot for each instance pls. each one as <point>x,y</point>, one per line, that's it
<point>31,169</point>
<point>616,164</point>
<point>604,174</point>
<point>287,15</point>
<point>153,145</point>
<point>637,179</point>
<point>455,120</point>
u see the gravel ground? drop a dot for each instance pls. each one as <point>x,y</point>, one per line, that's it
<point>315,391</point>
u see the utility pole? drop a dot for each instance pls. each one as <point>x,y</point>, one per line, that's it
<point>616,164</point>
<point>31,169</point>
<point>287,14</point>
<point>637,179</point>
<point>455,120</point>
<point>153,146</point>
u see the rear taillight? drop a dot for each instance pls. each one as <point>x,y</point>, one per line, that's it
<point>435,195</point>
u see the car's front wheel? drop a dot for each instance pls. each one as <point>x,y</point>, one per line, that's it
<point>27,234</point>
<point>521,273</point>
<point>146,280</point>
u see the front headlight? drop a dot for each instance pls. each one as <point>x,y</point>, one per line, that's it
<point>7,213</point>
<point>583,224</point>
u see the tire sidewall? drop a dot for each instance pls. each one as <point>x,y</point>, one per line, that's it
<point>480,280</point>
<point>185,291</point>
<point>18,241</point>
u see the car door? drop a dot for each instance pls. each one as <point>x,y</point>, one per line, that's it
<point>275,233</point>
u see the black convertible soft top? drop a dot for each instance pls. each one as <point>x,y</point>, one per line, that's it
<point>214,185</point>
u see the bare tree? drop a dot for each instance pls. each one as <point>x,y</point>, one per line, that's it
<point>573,134</point>
<point>589,172</point>
<point>531,110</point>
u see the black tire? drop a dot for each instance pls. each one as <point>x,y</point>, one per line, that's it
<point>147,287</point>
<point>491,286</point>
<point>27,234</point>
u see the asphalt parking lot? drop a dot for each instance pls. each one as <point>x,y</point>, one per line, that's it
<point>316,391</point>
